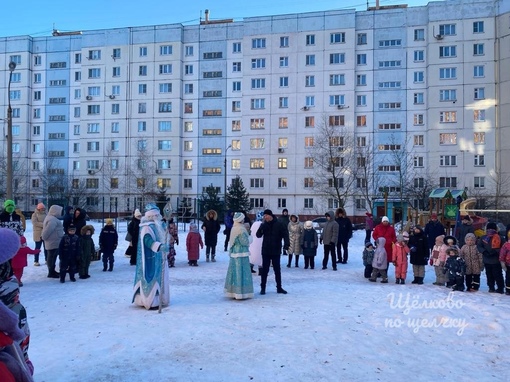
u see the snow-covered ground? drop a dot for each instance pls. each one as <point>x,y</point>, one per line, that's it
<point>331,326</point>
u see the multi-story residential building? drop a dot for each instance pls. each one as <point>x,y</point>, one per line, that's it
<point>116,114</point>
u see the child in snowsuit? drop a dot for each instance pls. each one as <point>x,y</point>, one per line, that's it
<point>69,252</point>
<point>474,262</point>
<point>438,260</point>
<point>456,268</point>
<point>108,240</point>
<point>368,258</point>
<point>419,254</point>
<point>400,252</point>
<point>504,258</point>
<point>380,262</point>
<point>19,261</point>
<point>174,240</point>
<point>309,244</point>
<point>193,245</point>
<point>87,249</point>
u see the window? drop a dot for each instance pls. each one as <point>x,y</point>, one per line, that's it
<point>419,56</point>
<point>283,123</point>
<point>309,121</point>
<point>448,51</point>
<point>257,123</point>
<point>284,82</point>
<point>236,105</point>
<point>188,69</point>
<point>236,47</point>
<point>308,141</point>
<point>389,43</point>
<point>188,145</point>
<point>115,108</point>
<point>77,112</point>
<point>336,79</point>
<point>92,146</point>
<point>308,183</point>
<point>418,77</point>
<point>479,93</point>
<point>418,98</point>
<point>479,160</point>
<point>336,38</point>
<point>418,119</point>
<point>362,39</point>
<point>16,59</point>
<point>258,103</point>
<point>256,203</point>
<point>418,140</point>
<point>361,100</point>
<point>167,88</point>
<point>116,71</point>
<point>37,95</point>
<point>94,54</point>
<point>310,81</point>
<point>37,78</point>
<point>361,120</point>
<point>36,148</point>
<point>310,60</point>
<point>188,126</point>
<point>165,50</point>
<point>259,63</point>
<point>143,51</point>
<point>257,163</point>
<point>479,182</point>
<point>447,95</point>
<point>115,127</point>
<point>236,86</point>
<point>92,128</point>
<point>478,71</point>
<point>77,76</point>
<point>95,73</point>
<point>478,115</point>
<point>236,66</point>
<point>142,70</point>
<point>188,50</point>
<point>337,58</point>
<point>390,64</point>
<point>257,143</point>
<point>390,84</point>
<point>448,160</point>
<point>308,203</point>
<point>361,59</point>
<point>308,162</point>
<point>478,27</point>
<point>36,130</point>
<point>390,126</point>
<point>284,42</point>
<point>447,29</point>
<point>448,139</point>
<point>258,83</point>
<point>115,90</point>
<point>115,145</point>
<point>284,62</point>
<point>165,145</point>
<point>361,79</point>
<point>142,89</point>
<point>310,39</point>
<point>257,182</point>
<point>419,34</point>
<point>478,50</point>
<point>310,101</point>
<point>447,73</point>
<point>165,69</point>
<point>93,109</point>
<point>258,43</point>
<point>448,182</point>
<point>448,117</point>
<point>336,100</point>
<point>165,107</point>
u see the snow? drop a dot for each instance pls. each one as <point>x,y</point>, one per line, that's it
<point>331,326</point>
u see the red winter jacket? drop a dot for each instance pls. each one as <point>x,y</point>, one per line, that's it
<point>388,232</point>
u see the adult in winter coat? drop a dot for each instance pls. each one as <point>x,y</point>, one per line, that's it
<point>68,217</point>
<point>52,233</point>
<point>489,246</point>
<point>69,253</point>
<point>87,247</point>
<point>151,287</point>
<point>418,246</point>
<point>10,219</point>
<point>211,227</point>
<point>239,283</point>
<point>344,235</point>
<point>79,220</point>
<point>309,244</point>
<point>369,226</point>
<point>464,228</point>
<point>108,241</point>
<point>133,229</point>
<point>37,225</point>
<point>433,229</point>
<point>273,233</point>
<point>256,247</point>
<point>474,262</point>
<point>329,237</point>
<point>384,229</point>
<point>295,233</point>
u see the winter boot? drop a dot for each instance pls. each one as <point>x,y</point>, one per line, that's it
<point>262,289</point>
<point>105,266</point>
<point>415,281</point>
<point>71,276</point>
<point>207,258</point>
<point>397,281</point>
<point>213,258</point>
<point>251,268</point>
<point>290,261</point>
<point>402,281</point>
<point>110,268</point>
<point>419,280</point>
<point>281,290</point>
<point>297,261</point>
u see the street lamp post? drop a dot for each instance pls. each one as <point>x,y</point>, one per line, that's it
<point>12,66</point>
<point>225,175</point>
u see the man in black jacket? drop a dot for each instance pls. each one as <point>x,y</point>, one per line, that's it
<point>273,232</point>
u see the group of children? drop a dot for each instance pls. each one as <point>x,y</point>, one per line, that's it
<point>454,267</point>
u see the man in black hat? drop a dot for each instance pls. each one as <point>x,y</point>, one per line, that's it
<point>273,232</point>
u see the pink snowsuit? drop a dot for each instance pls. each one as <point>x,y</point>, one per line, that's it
<point>400,252</point>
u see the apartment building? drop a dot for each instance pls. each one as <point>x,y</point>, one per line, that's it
<point>112,116</point>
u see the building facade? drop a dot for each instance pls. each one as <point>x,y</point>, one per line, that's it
<point>105,118</point>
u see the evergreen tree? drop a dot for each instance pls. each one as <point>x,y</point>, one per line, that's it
<point>238,198</point>
<point>211,201</point>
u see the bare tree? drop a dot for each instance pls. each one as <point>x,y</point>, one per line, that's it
<point>367,179</point>
<point>334,161</point>
<point>141,179</point>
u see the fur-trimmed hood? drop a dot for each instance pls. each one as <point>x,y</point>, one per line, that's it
<point>87,227</point>
<point>215,215</point>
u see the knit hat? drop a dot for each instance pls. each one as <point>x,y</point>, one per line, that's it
<point>400,237</point>
<point>453,249</point>
<point>71,227</point>
<point>22,240</point>
<point>433,215</point>
<point>308,224</point>
<point>41,206</point>
<point>268,212</point>
<point>10,242</point>
<point>137,213</point>
<point>9,205</point>
<point>470,236</point>
<point>109,221</point>
<point>450,240</point>
<point>368,244</point>
<point>239,217</point>
<point>385,219</point>
<point>492,225</point>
